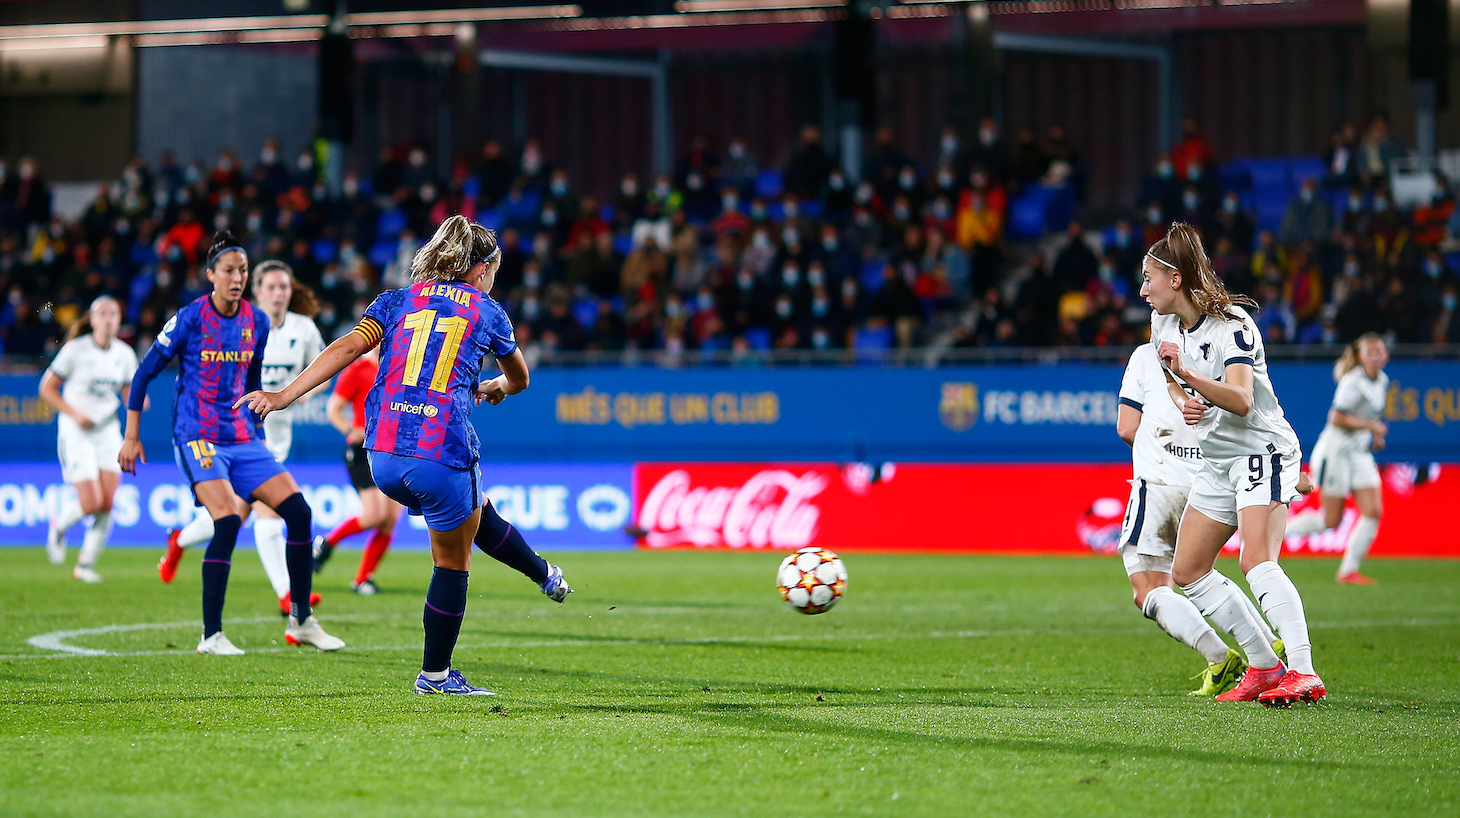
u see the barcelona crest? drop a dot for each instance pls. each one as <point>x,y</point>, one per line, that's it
<point>959,406</point>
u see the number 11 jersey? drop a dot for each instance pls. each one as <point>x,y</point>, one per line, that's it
<point>433,337</point>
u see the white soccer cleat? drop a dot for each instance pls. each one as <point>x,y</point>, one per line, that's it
<point>86,575</point>
<point>309,632</point>
<point>55,545</point>
<point>218,645</point>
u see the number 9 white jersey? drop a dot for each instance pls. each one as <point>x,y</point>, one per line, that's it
<point>1209,347</point>
<point>290,349</point>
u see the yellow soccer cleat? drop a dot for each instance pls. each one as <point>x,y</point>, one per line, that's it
<point>1222,676</point>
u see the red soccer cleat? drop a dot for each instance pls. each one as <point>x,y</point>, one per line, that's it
<point>167,566</point>
<point>1254,683</point>
<point>284,602</point>
<point>1294,687</point>
<point>1355,578</point>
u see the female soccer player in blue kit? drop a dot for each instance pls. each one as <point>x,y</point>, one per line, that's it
<point>219,342</point>
<point>422,447</point>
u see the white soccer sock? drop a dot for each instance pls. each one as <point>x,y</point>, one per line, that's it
<point>197,532</point>
<point>436,675</point>
<point>1220,600</point>
<point>69,515</point>
<point>1306,523</point>
<point>1261,622</point>
<point>1280,601</point>
<point>1358,544</point>
<point>268,537</point>
<point>1182,621</point>
<point>95,541</point>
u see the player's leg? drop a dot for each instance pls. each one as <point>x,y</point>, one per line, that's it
<point>445,609</point>
<point>501,541</point>
<point>79,468</point>
<point>1330,481</point>
<point>225,509</point>
<point>268,538</point>
<point>282,494</point>
<point>1218,598</point>
<point>99,529</point>
<point>1262,529</point>
<point>1369,497</point>
<point>388,511</point>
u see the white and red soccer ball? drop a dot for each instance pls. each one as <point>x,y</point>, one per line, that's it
<point>812,580</point>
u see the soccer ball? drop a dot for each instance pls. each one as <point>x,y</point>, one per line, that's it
<point>812,580</point>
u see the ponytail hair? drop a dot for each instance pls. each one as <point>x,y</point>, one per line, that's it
<point>82,325</point>
<point>223,241</point>
<point>459,244</point>
<point>1181,251</point>
<point>1350,357</point>
<point>301,299</point>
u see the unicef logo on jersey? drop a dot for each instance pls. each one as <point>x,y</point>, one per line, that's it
<point>424,409</point>
<point>958,408</point>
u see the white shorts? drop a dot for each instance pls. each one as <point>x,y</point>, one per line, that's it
<point>1223,488</point>
<point>86,453</point>
<point>1152,518</point>
<point>279,435</point>
<point>1336,473</point>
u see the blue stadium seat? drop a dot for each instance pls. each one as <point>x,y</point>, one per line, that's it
<point>623,244</point>
<point>1268,205</point>
<point>525,209</point>
<point>1233,177</point>
<point>1266,174</point>
<point>491,218</point>
<point>381,253</point>
<point>769,184</point>
<point>1027,214</point>
<point>586,311</point>
<point>758,337</point>
<point>390,224</point>
<point>811,208</point>
<point>324,251</point>
<point>606,212</point>
<point>1302,168</point>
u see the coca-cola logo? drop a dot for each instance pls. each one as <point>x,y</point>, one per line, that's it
<point>772,509</point>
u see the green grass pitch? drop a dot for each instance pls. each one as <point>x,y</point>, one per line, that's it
<point>679,684</point>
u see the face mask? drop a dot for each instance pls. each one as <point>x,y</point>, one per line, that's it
<point>783,309</point>
<point>945,179</point>
<point>123,227</point>
<point>901,211</point>
<point>559,187</point>
<point>532,279</point>
<point>329,280</point>
<point>348,253</point>
<point>1433,268</point>
<point>1448,300</point>
<point>1122,236</point>
<point>1306,195</point>
<point>220,220</point>
<point>694,181</point>
<point>1190,200</point>
<point>849,289</point>
<point>1381,205</point>
<point>987,136</point>
<point>906,179</point>
<point>829,243</point>
<point>1351,269</point>
<point>820,340</point>
<point>737,150</point>
<point>1193,172</point>
<point>531,309</point>
<point>705,301</point>
<point>1163,170</point>
<point>1154,215</point>
<point>1355,204</point>
<point>673,309</point>
<point>1107,273</point>
<point>255,222</point>
<point>940,209</point>
<point>351,186</point>
<point>757,211</point>
<point>225,165</point>
<point>761,241</point>
<point>820,307</point>
<point>863,218</point>
<point>864,194</point>
<point>1229,206</point>
<point>417,159</point>
<point>531,161</point>
<point>816,276</point>
<point>745,280</point>
<point>192,174</point>
<point>549,216</point>
<point>790,237</point>
<point>661,190</point>
<point>306,162</point>
<point>791,209</point>
<point>790,276</point>
<point>629,188</point>
<point>837,182</point>
<point>730,202</point>
<point>428,193</point>
<point>268,156</point>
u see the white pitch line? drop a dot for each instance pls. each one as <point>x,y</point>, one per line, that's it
<point>55,640</point>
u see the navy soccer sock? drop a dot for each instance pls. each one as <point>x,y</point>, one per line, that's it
<point>501,541</point>
<point>445,608</point>
<point>216,563</point>
<point>298,553</point>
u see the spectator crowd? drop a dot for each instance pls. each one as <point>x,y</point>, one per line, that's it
<point>725,254</point>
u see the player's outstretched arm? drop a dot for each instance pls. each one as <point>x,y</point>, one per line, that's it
<point>336,357</point>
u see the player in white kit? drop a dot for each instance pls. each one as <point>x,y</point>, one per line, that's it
<point>82,385</point>
<point>1166,456</point>
<point>1250,465</point>
<point>1343,460</point>
<point>294,341</point>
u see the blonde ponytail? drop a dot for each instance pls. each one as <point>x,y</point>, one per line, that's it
<point>458,244</point>
<point>1181,250</point>
<point>1350,357</point>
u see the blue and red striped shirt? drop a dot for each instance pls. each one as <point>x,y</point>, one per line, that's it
<point>220,358</point>
<point>432,337</point>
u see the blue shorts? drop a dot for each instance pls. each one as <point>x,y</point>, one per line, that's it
<point>444,495</point>
<point>246,466</point>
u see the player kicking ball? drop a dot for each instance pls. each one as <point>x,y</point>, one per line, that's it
<point>423,450</point>
<point>1166,457</point>
<point>219,341</point>
<point>1250,465</point>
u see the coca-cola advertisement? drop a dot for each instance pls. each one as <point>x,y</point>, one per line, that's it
<point>1071,509</point>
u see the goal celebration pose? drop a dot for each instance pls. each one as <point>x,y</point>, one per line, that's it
<point>82,386</point>
<point>293,342</point>
<point>219,342</point>
<point>423,449</point>
<point>1166,457</point>
<point>1250,465</point>
<point>1343,460</point>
